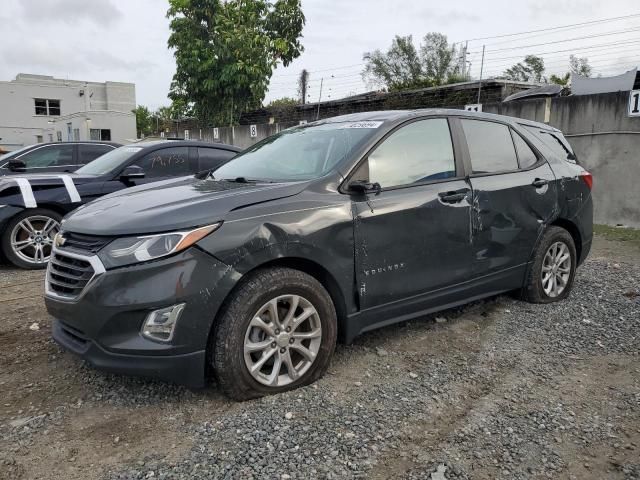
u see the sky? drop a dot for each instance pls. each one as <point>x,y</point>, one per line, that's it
<point>126,40</point>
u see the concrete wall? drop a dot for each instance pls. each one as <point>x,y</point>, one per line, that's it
<point>106,105</point>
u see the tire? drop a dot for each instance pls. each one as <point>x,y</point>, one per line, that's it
<point>534,291</point>
<point>39,240</point>
<point>236,333</point>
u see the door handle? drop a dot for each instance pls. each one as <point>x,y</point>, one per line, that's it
<point>453,197</point>
<point>539,182</point>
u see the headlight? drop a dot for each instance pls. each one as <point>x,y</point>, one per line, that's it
<point>128,250</point>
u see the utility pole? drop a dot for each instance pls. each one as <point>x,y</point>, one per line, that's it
<point>303,82</point>
<point>319,98</point>
<point>464,60</point>
<point>481,71</point>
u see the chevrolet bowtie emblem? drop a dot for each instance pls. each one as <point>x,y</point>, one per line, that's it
<point>59,240</point>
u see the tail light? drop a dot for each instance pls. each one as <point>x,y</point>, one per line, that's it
<point>587,178</point>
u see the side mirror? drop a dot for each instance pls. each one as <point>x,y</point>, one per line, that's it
<point>132,172</point>
<point>362,187</point>
<point>17,166</point>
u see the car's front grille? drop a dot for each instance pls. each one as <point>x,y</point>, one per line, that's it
<point>84,243</point>
<point>68,276</point>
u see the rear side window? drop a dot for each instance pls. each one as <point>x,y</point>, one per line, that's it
<point>89,152</point>
<point>418,152</point>
<point>490,146</point>
<point>526,156</point>
<point>209,158</point>
<point>49,156</point>
<point>166,162</point>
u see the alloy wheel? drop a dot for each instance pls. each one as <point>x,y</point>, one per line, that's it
<point>32,238</point>
<point>282,340</point>
<point>556,269</point>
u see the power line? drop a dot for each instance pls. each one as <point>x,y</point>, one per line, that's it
<point>592,22</point>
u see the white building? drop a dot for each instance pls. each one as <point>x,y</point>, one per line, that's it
<point>40,108</point>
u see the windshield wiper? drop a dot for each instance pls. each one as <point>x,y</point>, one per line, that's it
<point>240,180</point>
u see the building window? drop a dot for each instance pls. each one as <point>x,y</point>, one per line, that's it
<point>51,137</point>
<point>100,134</point>
<point>39,139</point>
<point>48,107</point>
<point>76,134</point>
<point>59,135</point>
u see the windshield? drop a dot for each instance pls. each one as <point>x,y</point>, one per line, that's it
<point>109,161</point>
<point>300,153</point>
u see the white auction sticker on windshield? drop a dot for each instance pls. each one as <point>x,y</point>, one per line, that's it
<point>363,125</point>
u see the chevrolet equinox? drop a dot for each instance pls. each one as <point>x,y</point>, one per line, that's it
<point>251,272</point>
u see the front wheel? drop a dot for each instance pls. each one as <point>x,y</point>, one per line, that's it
<point>27,240</point>
<point>552,272</point>
<point>277,333</point>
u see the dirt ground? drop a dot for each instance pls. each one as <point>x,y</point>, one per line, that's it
<point>61,419</point>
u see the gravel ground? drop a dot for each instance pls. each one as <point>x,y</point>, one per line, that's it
<point>498,389</point>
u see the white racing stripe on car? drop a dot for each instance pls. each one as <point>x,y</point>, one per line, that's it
<point>27,194</point>
<point>71,188</point>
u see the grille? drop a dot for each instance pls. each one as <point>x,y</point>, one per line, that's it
<point>68,276</point>
<point>84,243</point>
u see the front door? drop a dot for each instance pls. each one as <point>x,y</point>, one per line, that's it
<point>413,236</point>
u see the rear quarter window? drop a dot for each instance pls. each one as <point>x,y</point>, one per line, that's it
<point>554,141</point>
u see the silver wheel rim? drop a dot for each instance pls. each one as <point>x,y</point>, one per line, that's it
<point>556,269</point>
<point>32,239</point>
<point>283,340</point>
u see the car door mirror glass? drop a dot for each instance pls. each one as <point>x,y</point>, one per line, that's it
<point>132,172</point>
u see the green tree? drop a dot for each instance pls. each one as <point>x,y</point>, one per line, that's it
<point>226,51</point>
<point>283,102</point>
<point>579,66</point>
<point>530,70</point>
<point>403,66</point>
<point>145,122</point>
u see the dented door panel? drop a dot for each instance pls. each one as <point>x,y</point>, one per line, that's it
<point>409,241</point>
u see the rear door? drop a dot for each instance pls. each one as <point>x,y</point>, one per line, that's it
<point>87,152</point>
<point>514,195</point>
<point>210,158</point>
<point>413,236</point>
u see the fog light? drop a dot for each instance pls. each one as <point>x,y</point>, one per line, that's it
<point>160,324</point>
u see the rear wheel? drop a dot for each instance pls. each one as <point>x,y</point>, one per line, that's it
<point>552,272</point>
<point>277,333</point>
<point>27,240</point>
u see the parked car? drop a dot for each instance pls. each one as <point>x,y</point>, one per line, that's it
<point>322,231</point>
<point>31,206</point>
<point>53,157</point>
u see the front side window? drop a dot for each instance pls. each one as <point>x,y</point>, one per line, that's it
<point>49,156</point>
<point>45,106</point>
<point>490,146</point>
<point>110,162</point>
<point>166,162</point>
<point>299,153</point>
<point>419,152</point>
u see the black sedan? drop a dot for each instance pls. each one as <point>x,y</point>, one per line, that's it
<point>321,232</point>
<point>53,157</point>
<point>31,206</point>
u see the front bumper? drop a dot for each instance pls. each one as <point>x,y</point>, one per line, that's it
<point>103,324</point>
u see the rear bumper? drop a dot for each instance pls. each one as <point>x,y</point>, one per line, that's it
<point>186,369</point>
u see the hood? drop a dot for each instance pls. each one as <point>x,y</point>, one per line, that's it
<point>45,178</point>
<point>171,205</point>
